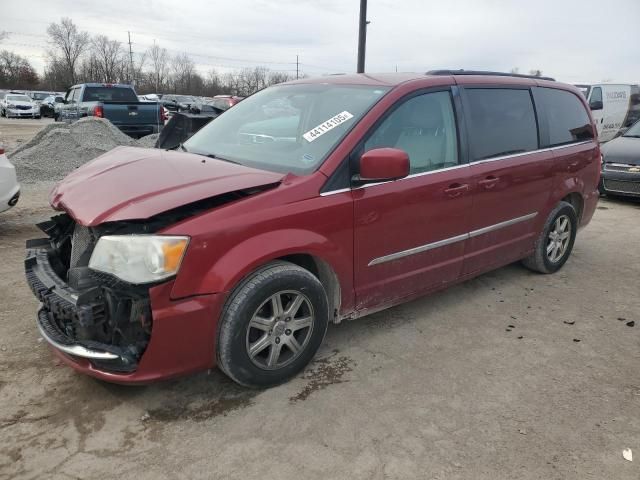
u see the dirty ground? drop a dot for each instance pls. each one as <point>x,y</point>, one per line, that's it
<point>511,375</point>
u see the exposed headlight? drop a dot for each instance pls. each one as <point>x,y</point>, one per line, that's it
<point>139,258</point>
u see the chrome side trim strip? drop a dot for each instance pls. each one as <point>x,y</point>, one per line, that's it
<point>423,248</point>
<point>500,225</point>
<point>333,192</point>
<point>77,350</point>
<point>449,241</point>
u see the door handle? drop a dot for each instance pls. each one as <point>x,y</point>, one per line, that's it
<point>489,182</point>
<point>456,189</point>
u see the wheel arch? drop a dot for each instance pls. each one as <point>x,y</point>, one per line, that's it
<point>327,276</point>
<point>309,250</point>
<point>577,201</point>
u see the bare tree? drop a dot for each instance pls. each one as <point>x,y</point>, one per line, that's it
<point>68,43</point>
<point>159,59</point>
<point>183,70</point>
<point>136,68</point>
<point>16,71</point>
<point>109,57</point>
<point>278,77</point>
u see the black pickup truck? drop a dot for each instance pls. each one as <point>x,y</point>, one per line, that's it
<point>117,103</point>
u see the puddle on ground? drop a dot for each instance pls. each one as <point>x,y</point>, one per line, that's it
<point>208,409</point>
<point>323,373</point>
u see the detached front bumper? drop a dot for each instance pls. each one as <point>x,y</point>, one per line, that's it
<point>182,336</point>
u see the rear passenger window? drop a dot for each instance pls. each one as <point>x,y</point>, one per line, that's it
<point>501,122</point>
<point>424,126</point>
<point>567,117</point>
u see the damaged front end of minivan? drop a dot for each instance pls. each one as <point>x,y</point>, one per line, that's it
<point>84,312</point>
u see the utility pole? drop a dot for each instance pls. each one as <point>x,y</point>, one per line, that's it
<point>297,68</point>
<point>362,35</point>
<point>131,79</point>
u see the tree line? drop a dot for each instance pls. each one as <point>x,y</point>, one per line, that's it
<point>75,56</point>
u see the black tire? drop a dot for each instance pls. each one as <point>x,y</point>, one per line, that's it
<point>540,260</point>
<point>247,300</point>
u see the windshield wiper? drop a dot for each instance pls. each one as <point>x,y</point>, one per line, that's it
<point>216,157</point>
<point>500,154</point>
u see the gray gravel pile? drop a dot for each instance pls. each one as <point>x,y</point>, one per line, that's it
<point>60,148</point>
<point>149,141</point>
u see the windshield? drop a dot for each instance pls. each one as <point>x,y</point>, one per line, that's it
<point>40,96</point>
<point>286,128</point>
<point>185,98</point>
<point>634,130</point>
<point>18,98</point>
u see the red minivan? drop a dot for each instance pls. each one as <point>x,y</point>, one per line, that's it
<point>307,203</point>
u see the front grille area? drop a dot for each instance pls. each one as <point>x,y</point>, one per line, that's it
<point>82,307</point>
<point>619,167</point>
<point>621,186</point>
<point>81,240</point>
<point>23,107</point>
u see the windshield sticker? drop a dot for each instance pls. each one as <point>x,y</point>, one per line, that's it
<point>324,127</point>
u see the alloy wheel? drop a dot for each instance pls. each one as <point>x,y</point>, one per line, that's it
<point>559,238</point>
<point>280,330</point>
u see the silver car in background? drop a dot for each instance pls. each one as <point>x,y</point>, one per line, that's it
<point>18,105</point>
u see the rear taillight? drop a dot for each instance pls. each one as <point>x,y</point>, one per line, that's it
<point>163,114</point>
<point>1,150</point>
<point>98,111</point>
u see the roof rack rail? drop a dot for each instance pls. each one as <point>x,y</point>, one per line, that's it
<point>482,72</point>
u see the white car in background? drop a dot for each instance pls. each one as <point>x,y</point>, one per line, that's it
<point>17,105</point>
<point>9,186</point>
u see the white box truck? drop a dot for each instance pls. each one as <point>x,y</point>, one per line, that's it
<point>615,107</point>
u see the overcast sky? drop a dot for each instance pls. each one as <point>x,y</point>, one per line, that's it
<point>571,40</point>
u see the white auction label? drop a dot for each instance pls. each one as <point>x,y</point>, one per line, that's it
<point>324,127</point>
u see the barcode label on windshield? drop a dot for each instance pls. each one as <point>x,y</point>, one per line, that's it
<point>324,127</point>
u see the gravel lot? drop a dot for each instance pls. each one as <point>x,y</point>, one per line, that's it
<point>510,375</point>
<point>13,132</point>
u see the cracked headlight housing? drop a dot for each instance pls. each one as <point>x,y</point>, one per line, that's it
<point>139,259</point>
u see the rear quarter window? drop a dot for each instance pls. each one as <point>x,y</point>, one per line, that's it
<point>567,118</point>
<point>501,122</point>
<point>109,94</point>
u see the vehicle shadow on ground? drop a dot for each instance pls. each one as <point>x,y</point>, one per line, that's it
<point>210,394</point>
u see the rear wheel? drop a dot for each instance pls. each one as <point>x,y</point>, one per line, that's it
<point>555,243</point>
<point>272,325</point>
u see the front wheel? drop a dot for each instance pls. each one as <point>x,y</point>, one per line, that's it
<point>272,325</point>
<point>555,243</point>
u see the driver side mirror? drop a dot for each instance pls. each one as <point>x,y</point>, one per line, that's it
<point>596,105</point>
<point>383,164</point>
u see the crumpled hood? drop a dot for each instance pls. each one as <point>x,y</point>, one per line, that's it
<point>130,183</point>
